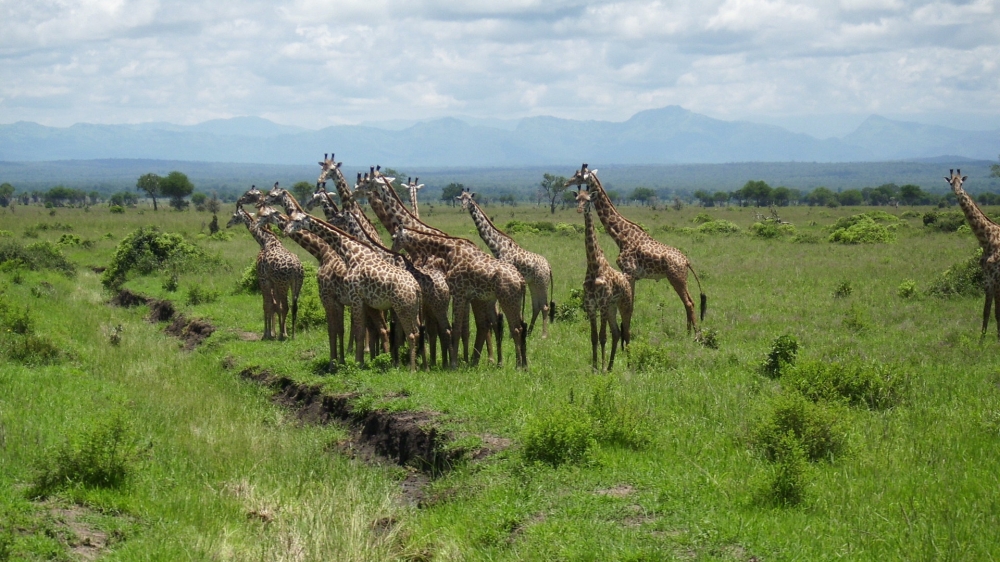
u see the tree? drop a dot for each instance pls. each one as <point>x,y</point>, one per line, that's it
<point>95,197</point>
<point>821,196</point>
<point>213,204</point>
<point>150,183</point>
<point>721,197</point>
<point>199,201</point>
<point>642,195</point>
<point>781,196</point>
<point>850,197</point>
<point>176,186</point>
<point>995,170</point>
<point>508,199</point>
<point>613,196</point>
<point>302,190</point>
<point>911,194</point>
<point>758,190</point>
<point>6,194</point>
<point>123,199</point>
<point>706,198</point>
<point>451,191</point>
<point>552,186</point>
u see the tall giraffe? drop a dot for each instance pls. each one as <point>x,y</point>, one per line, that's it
<point>473,274</point>
<point>322,198</point>
<point>414,186</point>
<point>372,282</point>
<point>641,256</point>
<point>436,297</point>
<point>533,267</point>
<point>278,270</point>
<point>330,168</point>
<point>605,291</point>
<point>988,234</point>
<point>393,214</point>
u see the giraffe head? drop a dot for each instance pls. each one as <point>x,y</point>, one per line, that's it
<point>267,215</point>
<point>239,217</point>
<point>253,196</point>
<point>327,169</point>
<point>465,198</point>
<point>400,239</point>
<point>297,222</point>
<point>278,196</point>
<point>321,197</point>
<point>414,184</point>
<point>582,199</point>
<point>955,179</point>
<point>582,176</point>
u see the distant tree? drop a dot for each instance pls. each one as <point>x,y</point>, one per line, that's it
<point>213,226</point>
<point>150,183</point>
<point>508,199</point>
<point>614,196</point>
<point>987,198</point>
<point>6,194</point>
<point>781,196</point>
<point>176,186</point>
<point>757,190</point>
<point>821,196</point>
<point>95,197</point>
<point>451,191</point>
<point>643,195</point>
<point>302,190</point>
<point>851,197</point>
<point>911,194</point>
<point>706,198</point>
<point>213,205</point>
<point>58,196</point>
<point>995,169</point>
<point>123,199</point>
<point>568,199</point>
<point>721,197</point>
<point>199,201</point>
<point>552,186</point>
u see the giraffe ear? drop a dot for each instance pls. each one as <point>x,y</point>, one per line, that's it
<point>473,195</point>
<point>964,178</point>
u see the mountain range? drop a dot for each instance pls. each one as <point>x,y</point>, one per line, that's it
<point>669,135</point>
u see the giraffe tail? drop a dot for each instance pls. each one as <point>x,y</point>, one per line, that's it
<point>295,306</point>
<point>552,295</point>
<point>704,298</point>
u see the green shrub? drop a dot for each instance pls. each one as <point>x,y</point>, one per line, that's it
<point>874,386</point>
<point>911,214</point>
<point>907,289</point>
<point>569,229</point>
<point>222,235</point>
<point>117,209</point>
<point>31,349</point>
<point>702,218</point>
<point>787,481</point>
<point>708,338</point>
<point>617,419</point>
<point>196,295</point>
<point>863,231</point>
<point>171,283</point>
<point>103,456</point>
<point>855,319</point>
<point>844,289</point>
<point>815,426</point>
<point>645,357</point>
<point>13,319</point>
<point>559,436</point>
<point>569,310</point>
<point>944,221</point>
<point>248,280</point>
<point>782,356</point>
<point>721,226</point>
<point>39,255</point>
<point>518,227</point>
<point>965,278</point>
<point>806,238</point>
<point>381,364</point>
<point>771,229</point>
<point>6,233</point>
<point>69,240</point>
<point>147,250</point>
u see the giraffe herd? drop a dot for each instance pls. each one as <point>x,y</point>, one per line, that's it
<point>427,271</point>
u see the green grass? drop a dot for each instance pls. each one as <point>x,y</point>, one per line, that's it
<point>224,474</point>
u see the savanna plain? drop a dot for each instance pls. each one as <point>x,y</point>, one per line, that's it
<point>838,404</point>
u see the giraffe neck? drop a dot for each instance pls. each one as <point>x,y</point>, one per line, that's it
<point>349,250</point>
<point>413,201</point>
<point>313,244</point>
<point>618,227</point>
<point>595,256</point>
<point>423,243</point>
<point>497,241</point>
<point>352,227</point>
<point>397,213</point>
<point>986,231</point>
<point>263,236</point>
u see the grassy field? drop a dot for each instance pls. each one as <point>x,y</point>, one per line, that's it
<point>685,451</point>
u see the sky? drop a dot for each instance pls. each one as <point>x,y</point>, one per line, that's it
<point>818,67</point>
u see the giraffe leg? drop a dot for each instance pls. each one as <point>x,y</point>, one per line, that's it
<point>996,302</point>
<point>358,314</point>
<point>680,285</point>
<point>331,331</point>
<point>459,306</point>
<point>615,336</point>
<point>604,337</point>
<point>281,297</point>
<point>986,312</point>
<point>593,340</point>
<point>268,299</point>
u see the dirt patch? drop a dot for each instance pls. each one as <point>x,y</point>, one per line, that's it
<point>404,438</point>
<point>248,336</point>
<point>98,268</point>
<point>191,331</point>
<point>127,299</point>
<point>619,491</point>
<point>160,310</point>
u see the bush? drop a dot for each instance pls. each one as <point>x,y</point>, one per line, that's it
<point>806,239</point>
<point>720,226</point>
<point>645,357</point>
<point>40,255</point>
<point>781,357</point>
<point>702,218</point>
<point>103,456</point>
<point>907,289</point>
<point>248,281</point>
<point>786,484</point>
<point>771,229</point>
<point>855,319</point>
<point>568,229</point>
<point>31,350</point>
<point>196,295</point>
<point>69,240</point>
<point>708,338</point>
<point>559,436</point>
<point>813,425</point>
<point>617,419</point>
<point>874,385</point>
<point>518,227</point>
<point>864,231</point>
<point>944,221</point>
<point>911,214</point>
<point>144,251</point>
<point>843,290</point>
<point>570,309</point>
<point>965,278</point>
<point>117,209</point>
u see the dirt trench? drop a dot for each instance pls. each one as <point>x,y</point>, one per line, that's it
<point>191,331</point>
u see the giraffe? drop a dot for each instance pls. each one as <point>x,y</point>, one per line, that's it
<point>372,282</point>
<point>322,198</point>
<point>414,186</point>
<point>277,271</point>
<point>988,234</point>
<point>252,197</point>
<point>641,256</point>
<point>605,291</point>
<point>533,267</point>
<point>393,214</point>
<point>472,274</point>
<point>436,297</point>
<point>331,168</point>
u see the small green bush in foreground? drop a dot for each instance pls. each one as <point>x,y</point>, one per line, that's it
<point>771,229</point>
<point>785,485</point>
<point>144,251</point>
<point>907,289</point>
<point>559,436</point>
<point>616,418</point>
<point>965,278</point>
<point>781,357</point>
<point>721,226</point>
<point>815,426</point>
<point>864,231</point>
<point>874,386</point>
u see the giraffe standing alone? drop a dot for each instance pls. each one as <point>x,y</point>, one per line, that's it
<point>533,267</point>
<point>278,270</point>
<point>641,256</point>
<point>414,186</point>
<point>988,234</point>
<point>605,291</point>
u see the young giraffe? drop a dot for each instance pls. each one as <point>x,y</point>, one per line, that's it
<point>436,296</point>
<point>393,214</point>
<point>414,186</point>
<point>533,267</point>
<point>472,274</point>
<point>605,291</point>
<point>277,271</point>
<point>988,234</point>
<point>331,169</point>
<point>372,282</point>
<point>641,256</point>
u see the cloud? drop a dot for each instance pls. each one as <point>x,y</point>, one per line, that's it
<point>314,63</point>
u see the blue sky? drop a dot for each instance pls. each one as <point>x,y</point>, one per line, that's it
<point>819,67</point>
